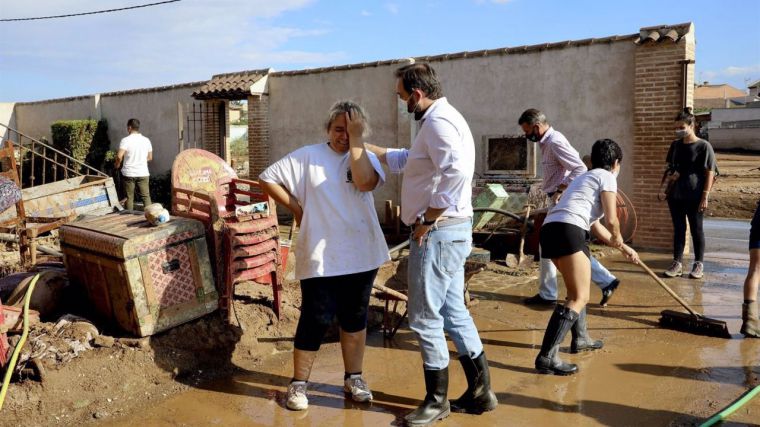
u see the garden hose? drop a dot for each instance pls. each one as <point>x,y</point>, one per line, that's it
<point>17,350</point>
<point>730,409</point>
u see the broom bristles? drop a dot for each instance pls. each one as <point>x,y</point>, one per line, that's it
<point>695,324</point>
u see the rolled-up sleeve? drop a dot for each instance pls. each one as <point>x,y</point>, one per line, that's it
<point>396,159</point>
<point>445,155</point>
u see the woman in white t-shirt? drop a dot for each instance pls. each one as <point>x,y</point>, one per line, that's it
<point>564,239</point>
<point>328,188</point>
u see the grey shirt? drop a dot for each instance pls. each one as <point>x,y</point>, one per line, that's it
<point>691,161</point>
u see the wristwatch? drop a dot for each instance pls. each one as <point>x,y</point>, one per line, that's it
<point>423,221</point>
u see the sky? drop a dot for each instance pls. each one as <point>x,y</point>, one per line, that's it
<point>191,40</point>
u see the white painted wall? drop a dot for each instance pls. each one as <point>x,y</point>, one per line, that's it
<point>733,115</point>
<point>157,112</point>
<point>34,118</point>
<point>586,92</point>
<point>8,118</point>
<point>155,108</point>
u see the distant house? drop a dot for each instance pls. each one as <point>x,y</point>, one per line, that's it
<point>754,89</point>
<point>718,96</point>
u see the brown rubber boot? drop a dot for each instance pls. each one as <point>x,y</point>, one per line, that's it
<point>750,321</point>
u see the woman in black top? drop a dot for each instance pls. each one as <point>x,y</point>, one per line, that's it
<point>693,160</point>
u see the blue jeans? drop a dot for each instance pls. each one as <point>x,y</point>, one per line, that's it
<point>436,295</point>
<point>547,278</point>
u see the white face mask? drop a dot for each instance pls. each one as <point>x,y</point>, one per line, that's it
<point>616,173</point>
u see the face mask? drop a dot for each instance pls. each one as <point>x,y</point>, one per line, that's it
<point>682,133</point>
<point>412,108</point>
<point>616,173</point>
<point>533,136</point>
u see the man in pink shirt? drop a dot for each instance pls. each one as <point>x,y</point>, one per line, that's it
<point>561,163</point>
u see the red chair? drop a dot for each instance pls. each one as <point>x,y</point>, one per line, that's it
<point>243,242</point>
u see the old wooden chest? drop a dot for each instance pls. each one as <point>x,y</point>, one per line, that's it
<point>144,278</point>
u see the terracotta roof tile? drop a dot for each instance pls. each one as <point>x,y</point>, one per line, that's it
<point>662,33</point>
<point>235,85</point>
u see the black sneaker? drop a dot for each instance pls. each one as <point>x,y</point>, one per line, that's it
<point>537,299</point>
<point>608,291</point>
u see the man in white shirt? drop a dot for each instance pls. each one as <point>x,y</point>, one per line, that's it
<point>135,151</point>
<point>435,202</point>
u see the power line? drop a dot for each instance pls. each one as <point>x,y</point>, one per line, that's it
<point>89,13</point>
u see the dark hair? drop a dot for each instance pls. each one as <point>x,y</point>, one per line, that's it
<point>420,76</point>
<point>604,153</point>
<point>134,124</point>
<point>685,116</point>
<point>532,117</point>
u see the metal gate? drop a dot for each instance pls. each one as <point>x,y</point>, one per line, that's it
<point>202,125</point>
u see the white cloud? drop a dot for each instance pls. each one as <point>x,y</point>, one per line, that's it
<point>392,8</point>
<point>730,71</point>
<point>172,43</point>
<point>365,13</point>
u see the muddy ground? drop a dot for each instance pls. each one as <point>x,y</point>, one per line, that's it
<point>737,189</point>
<point>210,373</point>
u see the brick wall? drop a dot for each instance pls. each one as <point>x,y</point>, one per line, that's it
<point>213,120</point>
<point>658,97</point>
<point>258,134</point>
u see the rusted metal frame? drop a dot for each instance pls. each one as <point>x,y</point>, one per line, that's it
<point>44,156</point>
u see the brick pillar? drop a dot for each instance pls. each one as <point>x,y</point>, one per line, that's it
<point>258,134</point>
<point>658,98</point>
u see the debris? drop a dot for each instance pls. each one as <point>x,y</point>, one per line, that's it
<point>103,341</point>
<point>134,342</point>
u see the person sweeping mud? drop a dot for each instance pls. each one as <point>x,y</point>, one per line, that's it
<point>564,239</point>
<point>328,189</point>
<point>750,322</point>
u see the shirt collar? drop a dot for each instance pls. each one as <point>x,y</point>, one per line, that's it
<point>436,104</point>
<point>547,134</point>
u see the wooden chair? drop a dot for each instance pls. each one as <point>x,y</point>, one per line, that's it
<point>27,228</point>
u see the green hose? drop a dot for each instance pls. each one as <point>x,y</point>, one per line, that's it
<point>17,350</point>
<point>730,409</point>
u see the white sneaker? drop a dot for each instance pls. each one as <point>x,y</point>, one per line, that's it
<point>297,400</point>
<point>358,388</point>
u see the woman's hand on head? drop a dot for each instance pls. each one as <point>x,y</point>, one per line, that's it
<point>354,126</point>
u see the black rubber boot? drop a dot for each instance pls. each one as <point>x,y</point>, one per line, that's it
<point>581,341</point>
<point>547,361</point>
<point>436,404</point>
<point>478,397</point>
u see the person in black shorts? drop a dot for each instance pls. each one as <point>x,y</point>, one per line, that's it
<point>564,239</point>
<point>750,321</point>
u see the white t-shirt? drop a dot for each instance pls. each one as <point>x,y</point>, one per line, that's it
<point>581,202</point>
<point>340,233</point>
<point>135,162</point>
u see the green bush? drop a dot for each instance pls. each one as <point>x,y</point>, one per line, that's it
<point>84,140</point>
<point>161,189</point>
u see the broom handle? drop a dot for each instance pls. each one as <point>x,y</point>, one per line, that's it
<point>670,291</point>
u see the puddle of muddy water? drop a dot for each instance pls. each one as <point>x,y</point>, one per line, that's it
<point>645,375</point>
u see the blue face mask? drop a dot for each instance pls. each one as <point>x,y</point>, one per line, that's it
<point>682,133</point>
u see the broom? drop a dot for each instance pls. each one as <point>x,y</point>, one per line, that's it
<point>692,322</point>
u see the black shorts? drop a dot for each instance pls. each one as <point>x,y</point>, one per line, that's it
<point>560,239</point>
<point>346,297</point>
<point>754,231</point>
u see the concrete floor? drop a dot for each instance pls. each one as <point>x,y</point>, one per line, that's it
<point>645,375</point>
